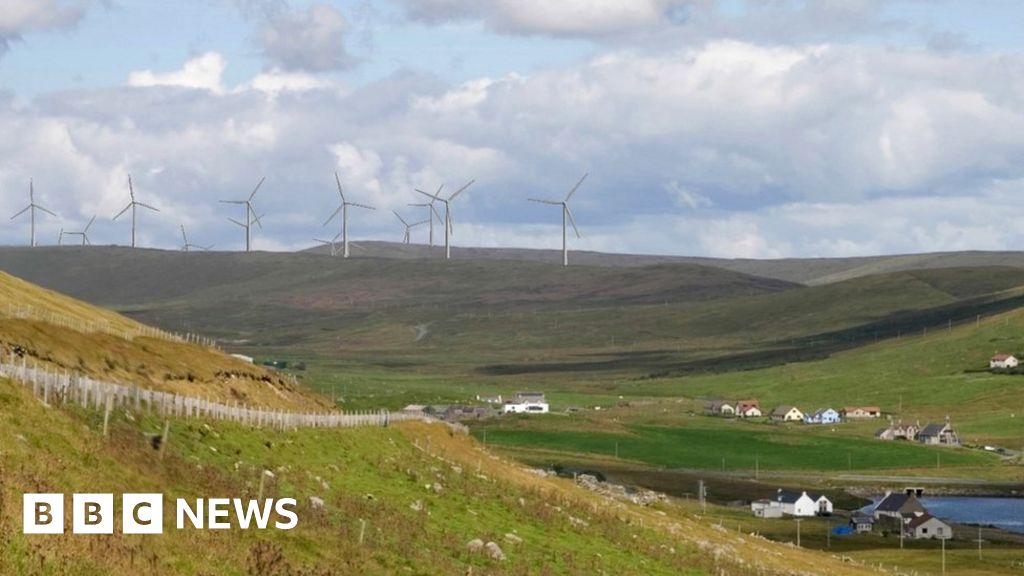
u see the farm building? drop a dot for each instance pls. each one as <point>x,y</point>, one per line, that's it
<point>823,416</point>
<point>862,522</point>
<point>939,435</point>
<point>748,409</point>
<point>899,431</point>
<point>720,408</point>
<point>1002,361</point>
<point>895,505</point>
<point>766,509</point>
<point>527,403</point>
<point>927,526</point>
<point>786,413</point>
<point>490,399</point>
<point>861,412</point>
<point>801,503</point>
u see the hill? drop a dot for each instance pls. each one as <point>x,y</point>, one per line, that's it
<point>50,329</point>
<point>382,500</point>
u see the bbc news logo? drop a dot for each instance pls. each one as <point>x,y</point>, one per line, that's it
<point>144,514</point>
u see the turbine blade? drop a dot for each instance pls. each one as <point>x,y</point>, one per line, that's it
<point>183,236</point>
<point>335,213</point>
<point>131,189</point>
<point>420,223</point>
<point>86,238</point>
<point>122,212</point>
<point>572,220</point>
<point>461,190</point>
<point>552,202</point>
<point>576,187</point>
<point>340,193</point>
<point>236,222</point>
<point>45,210</point>
<point>397,215</point>
<point>147,206</point>
<point>26,209</point>
<point>256,189</point>
<point>206,248</point>
<point>427,194</point>
<point>436,213</point>
<point>361,206</point>
<point>89,225</point>
<point>258,219</point>
<point>336,236</point>
<point>232,201</point>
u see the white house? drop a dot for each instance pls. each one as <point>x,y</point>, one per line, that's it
<point>1003,361</point>
<point>748,409</point>
<point>795,503</point>
<point>766,509</point>
<point>823,416</point>
<point>927,526</point>
<point>720,408</point>
<point>527,403</point>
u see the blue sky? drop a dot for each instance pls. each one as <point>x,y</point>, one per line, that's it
<point>737,128</point>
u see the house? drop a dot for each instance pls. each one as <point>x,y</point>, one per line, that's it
<point>527,403</point>
<point>939,435</point>
<point>823,416</point>
<point>1003,361</point>
<point>414,409</point>
<point>899,431</point>
<point>927,526</point>
<point>862,523</point>
<point>720,408</point>
<point>748,409</point>
<point>896,505</point>
<point>787,413</point>
<point>801,503</point>
<point>861,412</point>
<point>766,509</point>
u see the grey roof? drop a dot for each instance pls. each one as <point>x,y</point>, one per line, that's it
<point>791,496</point>
<point>894,502</point>
<point>926,517</point>
<point>932,430</point>
<point>782,410</point>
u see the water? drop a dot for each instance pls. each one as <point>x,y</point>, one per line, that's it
<point>1004,513</point>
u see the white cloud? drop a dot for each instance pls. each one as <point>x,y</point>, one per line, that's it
<point>312,39</point>
<point>20,17</point>
<point>202,72</point>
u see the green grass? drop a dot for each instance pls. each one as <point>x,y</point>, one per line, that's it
<point>739,446</point>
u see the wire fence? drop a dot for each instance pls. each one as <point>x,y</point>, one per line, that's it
<point>27,312</point>
<point>65,388</point>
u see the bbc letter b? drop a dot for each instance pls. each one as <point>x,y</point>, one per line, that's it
<point>43,513</point>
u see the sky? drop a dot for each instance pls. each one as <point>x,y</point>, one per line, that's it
<point>725,128</point>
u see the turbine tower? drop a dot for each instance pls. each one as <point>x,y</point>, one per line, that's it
<point>187,246</point>
<point>447,214</point>
<point>132,205</point>
<point>408,227</point>
<point>84,233</point>
<point>431,213</point>
<point>566,218</point>
<point>332,243</point>
<point>31,209</point>
<point>250,215</point>
<point>343,208</point>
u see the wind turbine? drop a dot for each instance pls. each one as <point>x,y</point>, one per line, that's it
<point>132,205</point>
<point>32,206</point>
<point>344,217</point>
<point>431,213</point>
<point>566,218</point>
<point>408,227</point>
<point>187,246</point>
<point>447,214</point>
<point>332,243</point>
<point>84,233</point>
<point>250,215</point>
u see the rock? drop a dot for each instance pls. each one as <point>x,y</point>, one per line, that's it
<point>370,497</point>
<point>437,488</point>
<point>316,503</point>
<point>578,522</point>
<point>513,538</point>
<point>475,545</point>
<point>417,506</point>
<point>494,551</point>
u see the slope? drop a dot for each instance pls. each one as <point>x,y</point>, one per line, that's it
<point>46,328</point>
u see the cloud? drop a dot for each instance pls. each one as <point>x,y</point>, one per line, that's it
<point>20,17</point>
<point>727,148</point>
<point>202,72</point>
<point>296,39</point>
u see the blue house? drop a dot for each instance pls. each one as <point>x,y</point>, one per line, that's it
<point>823,416</point>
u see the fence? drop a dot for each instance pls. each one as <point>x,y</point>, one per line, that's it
<point>56,387</point>
<point>26,312</point>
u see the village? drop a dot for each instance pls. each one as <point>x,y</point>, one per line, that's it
<point>899,513</point>
<point>490,406</point>
<point>941,434</point>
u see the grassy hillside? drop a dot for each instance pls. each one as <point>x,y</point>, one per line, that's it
<point>66,334</point>
<point>416,493</point>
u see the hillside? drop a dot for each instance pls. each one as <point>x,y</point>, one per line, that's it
<point>46,328</point>
<point>406,498</point>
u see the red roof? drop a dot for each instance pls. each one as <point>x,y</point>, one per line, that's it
<point>1001,357</point>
